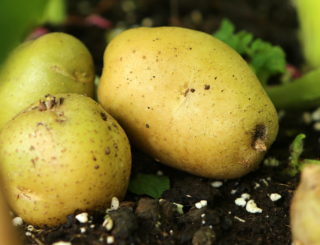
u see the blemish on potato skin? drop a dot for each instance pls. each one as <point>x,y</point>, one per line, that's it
<point>103,116</point>
<point>206,87</point>
<point>258,138</point>
<point>147,125</point>
<point>107,150</point>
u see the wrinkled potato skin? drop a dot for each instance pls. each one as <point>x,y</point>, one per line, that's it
<point>155,83</point>
<point>56,161</point>
<point>53,63</point>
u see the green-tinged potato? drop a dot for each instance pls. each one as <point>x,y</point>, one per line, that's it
<point>188,100</point>
<point>62,154</point>
<point>305,208</point>
<point>53,63</point>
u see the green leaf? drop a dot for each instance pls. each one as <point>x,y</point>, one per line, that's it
<point>149,184</point>
<point>266,60</point>
<point>17,18</point>
<point>239,42</point>
<point>297,149</point>
<point>244,39</point>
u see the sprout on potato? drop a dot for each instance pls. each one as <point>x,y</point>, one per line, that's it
<point>188,100</point>
<point>63,153</point>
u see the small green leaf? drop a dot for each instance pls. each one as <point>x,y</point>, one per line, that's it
<point>267,60</point>
<point>149,184</point>
<point>295,165</point>
<point>239,42</point>
<point>225,31</point>
<point>244,39</point>
<point>297,149</point>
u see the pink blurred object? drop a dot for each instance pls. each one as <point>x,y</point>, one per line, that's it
<point>38,32</point>
<point>97,20</point>
<point>295,73</point>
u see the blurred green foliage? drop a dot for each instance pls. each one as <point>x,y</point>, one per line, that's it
<point>265,59</point>
<point>19,17</point>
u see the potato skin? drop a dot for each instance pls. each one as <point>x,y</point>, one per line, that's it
<point>53,162</point>
<point>305,207</point>
<point>53,63</point>
<point>188,100</point>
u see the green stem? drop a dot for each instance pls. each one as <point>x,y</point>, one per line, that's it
<point>303,93</point>
<point>308,15</point>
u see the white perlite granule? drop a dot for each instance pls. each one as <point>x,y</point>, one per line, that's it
<point>275,197</point>
<point>252,207</point>
<point>240,202</point>
<point>82,218</point>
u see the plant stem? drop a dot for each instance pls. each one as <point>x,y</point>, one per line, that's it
<point>302,93</point>
<point>308,14</point>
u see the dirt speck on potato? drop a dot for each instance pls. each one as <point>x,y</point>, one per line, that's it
<point>107,150</point>
<point>103,116</point>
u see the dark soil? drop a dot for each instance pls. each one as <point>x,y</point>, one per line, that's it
<point>143,220</point>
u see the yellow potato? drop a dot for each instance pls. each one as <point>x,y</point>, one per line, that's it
<point>305,208</point>
<point>188,100</point>
<point>62,154</point>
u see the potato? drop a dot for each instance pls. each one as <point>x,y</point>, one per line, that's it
<point>53,63</point>
<point>188,100</point>
<point>62,154</point>
<point>305,207</point>
<point>7,232</point>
